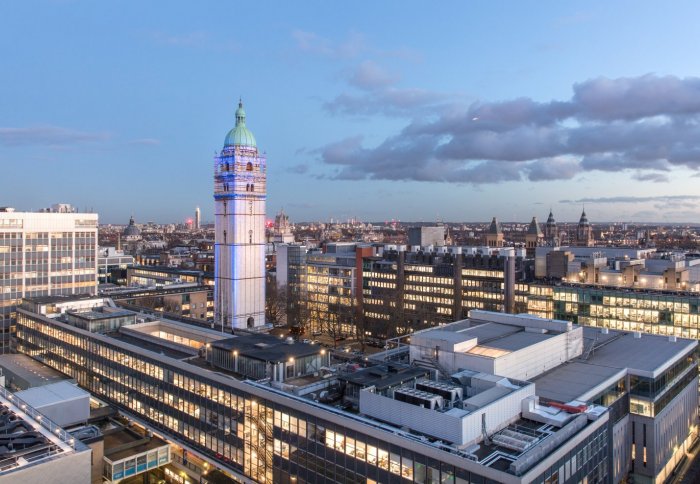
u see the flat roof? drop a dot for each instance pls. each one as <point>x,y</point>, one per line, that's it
<point>649,355</point>
<point>572,380</point>
<point>125,436</point>
<point>53,393</point>
<point>30,370</point>
<point>383,376</point>
<point>266,347</point>
<point>613,355</point>
<point>150,346</point>
<point>61,299</point>
<point>95,315</point>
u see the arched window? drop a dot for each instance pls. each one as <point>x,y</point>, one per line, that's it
<point>247,187</point>
<point>249,167</point>
<point>252,187</point>
<point>224,236</point>
<point>225,166</point>
<point>251,322</point>
<point>250,236</point>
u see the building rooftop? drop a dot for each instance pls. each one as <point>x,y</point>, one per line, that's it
<point>59,299</point>
<point>125,442</point>
<point>575,380</point>
<point>25,372</point>
<point>646,355</point>
<point>28,437</point>
<point>266,347</point>
<point>383,376</point>
<point>52,394</point>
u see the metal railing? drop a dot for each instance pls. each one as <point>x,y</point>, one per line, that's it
<point>42,420</point>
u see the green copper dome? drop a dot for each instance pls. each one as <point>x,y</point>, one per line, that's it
<point>240,135</point>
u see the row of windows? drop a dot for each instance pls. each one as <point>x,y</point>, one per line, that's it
<point>248,433</point>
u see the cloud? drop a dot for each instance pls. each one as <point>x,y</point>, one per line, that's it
<point>369,75</point>
<point>313,43</point>
<point>354,45</point>
<point>48,136</point>
<point>298,169</point>
<point>145,141</point>
<point>648,124</point>
<point>652,177</point>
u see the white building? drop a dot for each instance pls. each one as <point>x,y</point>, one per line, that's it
<point>240,193</point>
<point>44,254</point>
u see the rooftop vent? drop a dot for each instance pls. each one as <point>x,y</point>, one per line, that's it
<point>637,334</point>
<point>672,339</point>
<point>604,330</point>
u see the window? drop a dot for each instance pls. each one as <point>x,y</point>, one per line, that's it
<point>249,167</point>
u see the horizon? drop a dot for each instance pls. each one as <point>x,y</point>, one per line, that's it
<point>472,114</point>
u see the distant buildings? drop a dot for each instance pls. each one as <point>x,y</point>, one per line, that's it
<point>425,236</point>
<point>53,252</point>
<point>240,194</point>
<point>197,218</point>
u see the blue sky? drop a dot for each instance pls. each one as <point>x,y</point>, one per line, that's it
<point>407,110</point>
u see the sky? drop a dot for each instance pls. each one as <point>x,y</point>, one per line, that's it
<point>452,111</point>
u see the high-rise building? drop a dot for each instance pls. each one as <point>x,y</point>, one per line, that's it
<point>197,218</point>
<point>44,253</point>
<point>240,192</point>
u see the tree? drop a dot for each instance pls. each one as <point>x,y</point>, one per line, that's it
<point>276,304</point>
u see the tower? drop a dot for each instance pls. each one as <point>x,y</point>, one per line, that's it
<point>197,218</point>
<point>533,238</point>
<point>494,234</point>
<point>584,235</point>
<point>551,235</point>
<point>240,175</point>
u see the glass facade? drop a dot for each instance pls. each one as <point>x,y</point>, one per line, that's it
<point>260,438</point>
<point>645,311</point>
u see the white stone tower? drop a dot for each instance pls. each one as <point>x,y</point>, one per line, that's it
<point>239,196</point>
<point>197,218</point>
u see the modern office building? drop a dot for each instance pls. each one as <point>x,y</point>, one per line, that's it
<point>112,265</point>
<point>197,218</point>
<point>473,413</point>
<point>405,291</point>
<point>240,177</point>
<point>44,253</point>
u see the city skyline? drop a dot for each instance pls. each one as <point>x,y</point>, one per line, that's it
<point>427,117</point>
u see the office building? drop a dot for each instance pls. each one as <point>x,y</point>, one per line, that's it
<point>465,406</point>
<point>240,193</point>
<point>112,265</point>
<point>43,254</point>
<point>197,218</point>
<point>426,236</point>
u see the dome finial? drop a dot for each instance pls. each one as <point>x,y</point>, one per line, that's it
<point>240,113</point>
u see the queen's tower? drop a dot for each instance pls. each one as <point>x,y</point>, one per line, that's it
<point>239,196</point>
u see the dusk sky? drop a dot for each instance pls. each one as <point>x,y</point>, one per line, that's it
<point>454,111</point>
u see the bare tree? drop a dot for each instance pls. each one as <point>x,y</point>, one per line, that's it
<point>276,304</point>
